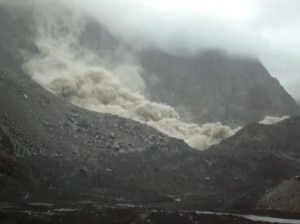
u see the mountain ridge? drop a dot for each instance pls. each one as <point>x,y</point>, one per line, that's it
<point>214,86</point>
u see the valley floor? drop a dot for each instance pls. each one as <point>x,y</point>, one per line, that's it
<point>89,212</point>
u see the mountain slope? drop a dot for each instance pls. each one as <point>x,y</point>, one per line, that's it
<point>214,86</point>
<point>103,157</point>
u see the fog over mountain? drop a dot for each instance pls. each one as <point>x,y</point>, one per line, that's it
<point>265,29</point>
<point>81,61</point>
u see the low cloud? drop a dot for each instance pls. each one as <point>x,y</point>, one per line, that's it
<point>265,29</point>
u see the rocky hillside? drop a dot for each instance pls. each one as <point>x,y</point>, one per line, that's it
<point>102,157</point>
<point>284,197</point>
<point>214,86</point>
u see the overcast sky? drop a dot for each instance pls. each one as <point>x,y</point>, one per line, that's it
<point>268,29</point>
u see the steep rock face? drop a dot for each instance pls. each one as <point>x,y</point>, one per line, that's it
<point>17,35</point>
<point>213,86</point>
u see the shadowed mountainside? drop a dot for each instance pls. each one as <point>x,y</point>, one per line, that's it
<point>214,86</point>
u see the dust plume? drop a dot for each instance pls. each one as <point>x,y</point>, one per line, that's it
<point>78,74</point>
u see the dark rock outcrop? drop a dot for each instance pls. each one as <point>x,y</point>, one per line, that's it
<point>285,197</point>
